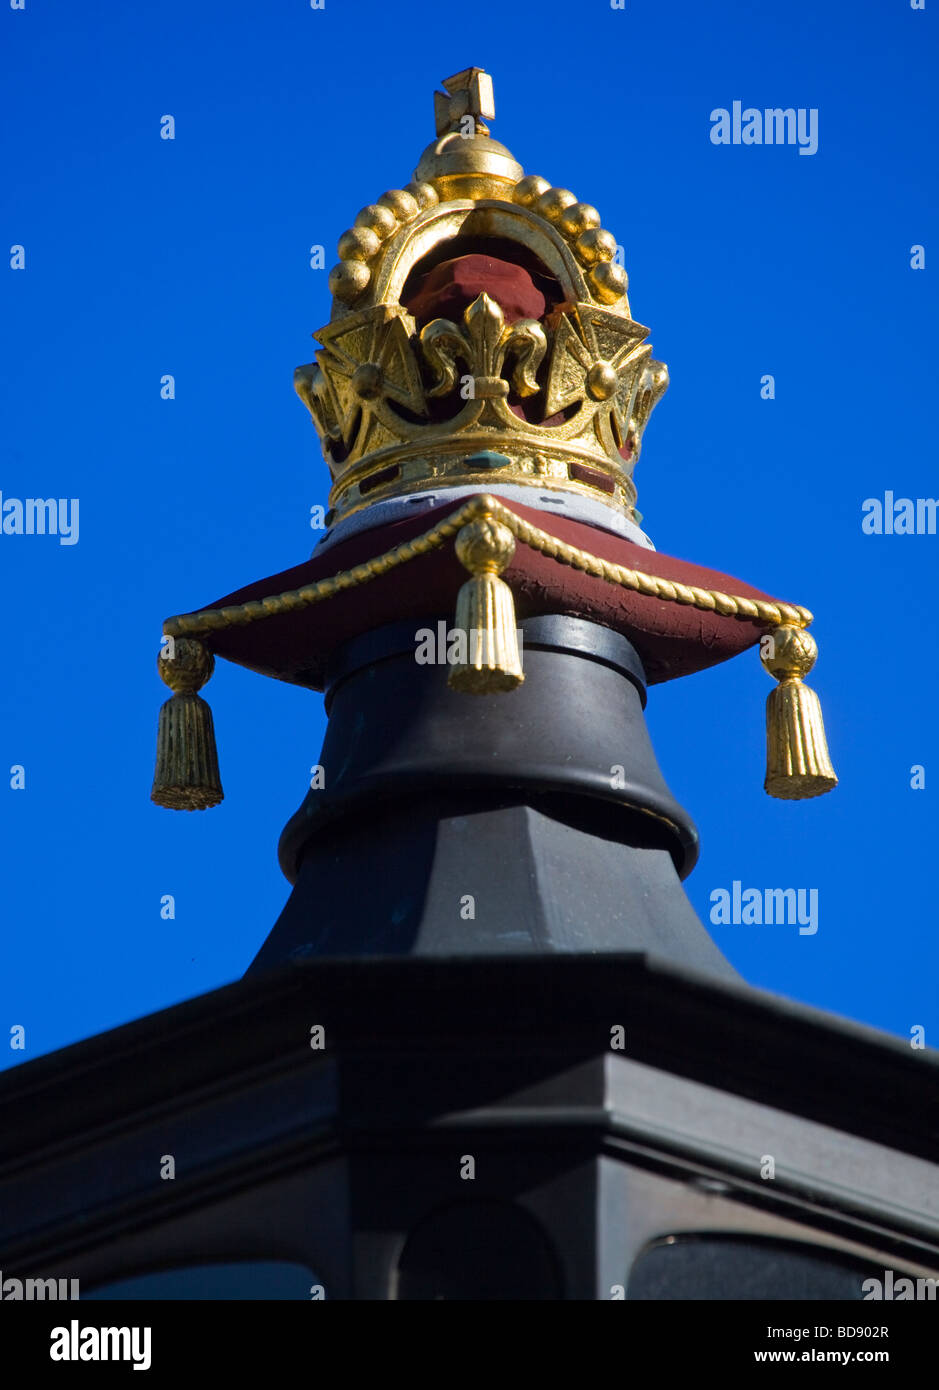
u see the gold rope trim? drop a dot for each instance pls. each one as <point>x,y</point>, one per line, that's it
<point>712,600</point>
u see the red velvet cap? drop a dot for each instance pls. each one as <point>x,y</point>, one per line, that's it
<point>672,639</point>
<point>451,287</point>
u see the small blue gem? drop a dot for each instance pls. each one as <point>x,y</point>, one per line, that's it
<point>487,459</point>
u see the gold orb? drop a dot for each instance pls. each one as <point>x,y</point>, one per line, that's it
<point>485,546</point>
<point>185,665</point>
<point>424,194</point>
<point>401,203</point>
<point>601,381</point>
<point>791,651</point>
<point>348,279</point>
<point>554,201</point>
<point>367,381</point>
<point>578,218</point>
<point>382,221</point>
<point>595,245</point>
<point>358,244</point>
<point>529,189</point>
<point>608,282</point>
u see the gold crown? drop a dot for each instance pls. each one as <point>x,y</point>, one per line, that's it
<point>558,402</point>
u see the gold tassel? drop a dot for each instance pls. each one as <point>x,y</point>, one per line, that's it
<point>187,776</point>
<point>485,612</point>
<point>797,762</point>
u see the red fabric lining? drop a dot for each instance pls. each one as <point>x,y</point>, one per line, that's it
<point>452,286</point>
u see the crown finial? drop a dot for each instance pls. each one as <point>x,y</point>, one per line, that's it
<point>468,99</point>
<point>480,333</point>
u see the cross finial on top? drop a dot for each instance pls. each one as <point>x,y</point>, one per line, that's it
<point>469,94</point>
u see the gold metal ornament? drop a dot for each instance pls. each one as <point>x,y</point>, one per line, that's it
<point>798,765</point>
<point>590,377</point>
<point>560,403</point>
<point>187,775</point>
<point>485,611</point>
<point>483,345</point>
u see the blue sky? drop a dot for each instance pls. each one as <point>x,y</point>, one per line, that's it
<point>191,257</point>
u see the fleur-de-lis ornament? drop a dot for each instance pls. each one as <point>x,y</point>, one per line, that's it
<point>483,346</point>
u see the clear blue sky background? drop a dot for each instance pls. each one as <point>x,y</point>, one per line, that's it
<point>191,257</point>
